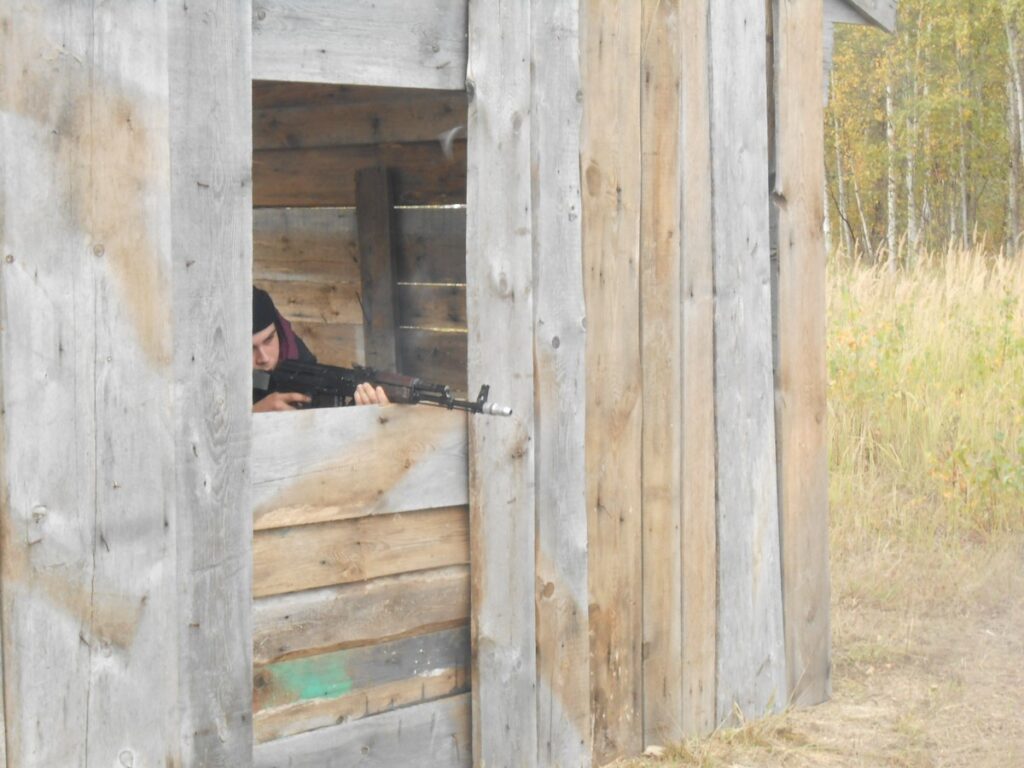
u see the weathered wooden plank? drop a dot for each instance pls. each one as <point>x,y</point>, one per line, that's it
<point>432,306</point>
<point>343,551</point>
<point>611,146</point>
<point>211,237</point>
<point>310,692</point>
<point>802,377</point>
<point>431,245</point>
<point>698,473</point>
<point>409,116</point>
<point>440,356</point>
<point>423,174</point>
<point>89,560</point>
<point>329,42</point>
<point>340,673</point>
<point>881,12</point>
<point>359,614</point>
<point>751,652</point>
<point>305,244</point>
<point>337,463</point>
<point>333,343</point>
<point>662,369</point>
<point>499,302</point>
<point>270,94</point>
<point>377,266</point>
<point>303,716</point>
<point>431,735</point>
<point>563,645</point>
<point>312,302</point>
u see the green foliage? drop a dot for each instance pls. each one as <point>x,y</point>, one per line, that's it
<point>954,150</point>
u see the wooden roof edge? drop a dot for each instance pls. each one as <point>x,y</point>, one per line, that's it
<point>881,13</point>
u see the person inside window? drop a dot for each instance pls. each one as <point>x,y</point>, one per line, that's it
<point>273,340</point>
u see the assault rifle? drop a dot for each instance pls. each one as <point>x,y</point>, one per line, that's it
<point>329,386</point>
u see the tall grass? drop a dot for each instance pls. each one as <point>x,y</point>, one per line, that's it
<point>926,399</point>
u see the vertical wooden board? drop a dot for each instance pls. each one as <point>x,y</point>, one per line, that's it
<point>89,544</point>
<point>699,543</point>
<point>563,669</point>
<point>610,162</point>
<point>362,42</point>
<point>431,735</point>
<point>500,314</point>
<point>802,379</point>
<point>211,188</point>
<point>377,267</point>
<point>751,652</point>
<point>662,367</point>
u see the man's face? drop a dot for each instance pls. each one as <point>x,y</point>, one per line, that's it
<point>266,349</point>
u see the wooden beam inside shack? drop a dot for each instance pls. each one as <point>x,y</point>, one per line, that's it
<point>377,267</point>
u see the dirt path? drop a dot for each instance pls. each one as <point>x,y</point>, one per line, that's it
<point>928,671</point>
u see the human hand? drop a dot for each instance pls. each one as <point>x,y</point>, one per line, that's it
<point>280,401</point>
<point>367,394</point>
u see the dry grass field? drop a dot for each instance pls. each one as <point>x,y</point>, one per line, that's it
<point>926,378</point>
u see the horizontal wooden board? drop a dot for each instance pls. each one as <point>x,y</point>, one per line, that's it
<point>431,246</point>
<point>359,614</point>
<point>367,42</point>
<point>303,716</point>
<point>410,116</point>
<point>269,94</point>
<point>303,243</point>
<point>337,463</point>
<point>337,674</point>
<point>432,306</point>
<point>333,343</point>
<point>304,301</point>
<point>343,551</point>
<point>431,735</point>
<point>436,356</point>
<point>422,174</point>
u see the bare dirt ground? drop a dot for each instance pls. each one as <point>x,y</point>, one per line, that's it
<point>928,671</point>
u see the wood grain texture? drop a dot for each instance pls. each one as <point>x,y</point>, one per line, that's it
<point>329,42</point>
<point>751,650</point>
<point>699,544</point>
<point>881,12</point>
<point>662,370</point>
<point>377,266</point>
<point>408,116</point>
<point>343,551</point>
<point>316,301</point>
<point>272,94</point>
<point>431,735</point>
<point>610,162</point>
<point>338,463</point>
<point>440,356</point>
<point>802,376</point>
<point>431,245</point>
<point>89,558</point>
<point>432,306</point>
<point>359,614</point>
<point>423,174</point>
<point>499,303</point>
<point>305,244</point>
<point>212,259</point>
<point>559,342</point>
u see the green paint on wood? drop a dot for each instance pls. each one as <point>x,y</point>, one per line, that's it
<point>317,677</point>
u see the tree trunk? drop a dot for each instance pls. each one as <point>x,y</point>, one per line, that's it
<point>869,249</point>
<point>890,186</point>
<point>1013,170</point>
<point>844,216</point>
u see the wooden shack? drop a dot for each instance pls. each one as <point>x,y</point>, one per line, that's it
<point>568,201</point>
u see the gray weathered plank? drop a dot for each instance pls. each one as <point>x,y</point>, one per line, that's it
<point>305,244</point>
<point>343,551</point>
<point>563,650</point>
<point>751,652</point>
<point>802,377</point>
<point>89,591</point>
<point>432,306</point>
<point>699,545</point>
<point>431,245</point>
<point>377,265</point>
<point>407,116</point>
<point>880,12</point>
<point>211,238</point>
<point>440,356</point>
<point>337,463</point>
<point>611,170</point>
<point>662,368</point>
<point>500,312</point>
<point>362,42</point>
<point>360,613</point>
<point>431,735</point>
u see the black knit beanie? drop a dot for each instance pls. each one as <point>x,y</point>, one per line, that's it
<point>263,311</point>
